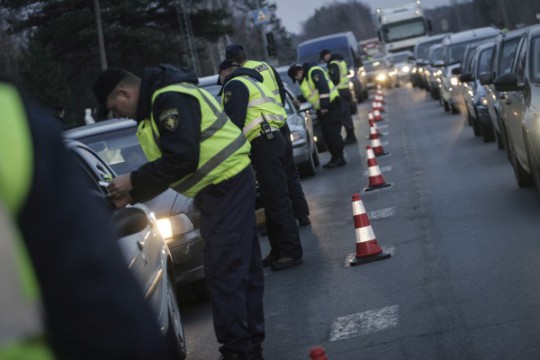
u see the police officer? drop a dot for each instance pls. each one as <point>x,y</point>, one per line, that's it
<point>195,149</point>
<point>338,72</point>
<point>273,82</point>
<point>251,107</point>
<point>318,89</point>
<point>58,257</point>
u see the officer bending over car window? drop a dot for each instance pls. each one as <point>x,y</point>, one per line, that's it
<point>196,150</point>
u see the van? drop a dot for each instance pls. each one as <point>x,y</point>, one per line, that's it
<point>344,44</point>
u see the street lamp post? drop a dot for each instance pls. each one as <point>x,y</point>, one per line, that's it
<point>101,42</point>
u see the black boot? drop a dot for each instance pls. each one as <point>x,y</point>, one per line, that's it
<point>335,162</point>
<point>351,138</point>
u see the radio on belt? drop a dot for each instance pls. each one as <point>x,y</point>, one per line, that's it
<point>266,130</point>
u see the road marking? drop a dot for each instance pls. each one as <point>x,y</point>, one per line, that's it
<point>382,126</point>
<point>364,323</point>
<point>384,143</point>
<point>382,213</point>
<point>382,168</point>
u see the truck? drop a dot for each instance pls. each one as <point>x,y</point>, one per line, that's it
<point>344,44</point>
<point>399,28</point>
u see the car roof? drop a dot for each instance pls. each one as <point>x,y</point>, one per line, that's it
<point>432,38</point>
<point>533,30</point>
<point>208,80</point>
<point>99,128</point>
<point>470,35</point>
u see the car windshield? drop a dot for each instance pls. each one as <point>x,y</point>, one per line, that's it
<point>454,52</point>
<point>484,61</point>
<point>404,30</point>
<point>422,50</point>
<point>294,87</point>
<point>120,149</point>
<point>506,55</point>
<point>436,54</point>
<point>374,66</point>
<point>535,53</point>
<point>315,57</point>
<point>399,58</point>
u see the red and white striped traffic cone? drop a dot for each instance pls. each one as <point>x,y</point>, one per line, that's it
<point>377,115</point>
<point>377,146</point>
<point>373,132</point>
<point>317,353</point>
<point>372,124</point>
<point>367,248</point>
<point>375,180</point>
<point>380,98</point>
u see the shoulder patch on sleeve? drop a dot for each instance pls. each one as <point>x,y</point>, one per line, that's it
<point>226,96</point>
<point>169,119</point>
<point>316,77</point>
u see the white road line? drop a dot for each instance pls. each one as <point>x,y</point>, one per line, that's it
<point>382,168</point>
<point>385,134</point>
<point>382,213</point>
<point>364,323</point>
<point>384,143</point>
<point>382,126</point>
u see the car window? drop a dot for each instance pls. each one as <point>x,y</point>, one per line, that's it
<point>535,59</point>
<point>98,167</point>
<point>484,61</point>
<point>120,149</point>
<point>289,107</point>
<point>507,52</point>
<point>520,59</point>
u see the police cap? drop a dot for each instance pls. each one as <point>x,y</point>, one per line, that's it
<point>105,84</point>
<point>232,51</point>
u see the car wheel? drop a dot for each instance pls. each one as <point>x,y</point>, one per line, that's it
<point>315,156</point>
<point>307,168</point>
<point>498,139</point>
<point>535,168</point>
<point>476,127</point>
<point>523,178</point>
<point>487,132</point>
<point>446,106</point>
<point>175,332</point>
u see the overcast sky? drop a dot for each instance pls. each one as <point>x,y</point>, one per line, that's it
<point>294,12</point>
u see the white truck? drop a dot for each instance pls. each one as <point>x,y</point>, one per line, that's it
<point>400,27</point>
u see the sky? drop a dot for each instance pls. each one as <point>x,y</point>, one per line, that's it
<point>294,12</point>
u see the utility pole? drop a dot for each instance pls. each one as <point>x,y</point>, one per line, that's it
<point>263,34</point>
<point>457,11</point>
<point>505,14</point>
<point>184,21</point>
<point>101,42</point>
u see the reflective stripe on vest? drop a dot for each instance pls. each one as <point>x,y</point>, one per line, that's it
<point>343,74</point>
<point>19,299</point>
<point>223,148</point>
<point>311,93</point>
<point>261,106</point>
<point>269,78</point>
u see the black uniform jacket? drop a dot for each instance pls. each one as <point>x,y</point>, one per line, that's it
<point>178,118</point>
<point>334,69</point>
<point>320,82</point>
<point>236,95</point>
<point>94,307</point>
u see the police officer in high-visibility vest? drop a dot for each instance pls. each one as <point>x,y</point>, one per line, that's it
<point>58,257</point>
<point>338,71</point>
<point>194,148</point>
<point>319,90</point>
<point>249,104</point>
<point>273,82</point>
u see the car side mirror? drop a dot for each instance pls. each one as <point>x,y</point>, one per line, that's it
<point>486,78</point>
<point>129,221</point>
<point>438,63</point>
<point>457,71</point>
<point>508,82</point>
<point>305,107</point>
<point>466,77</point>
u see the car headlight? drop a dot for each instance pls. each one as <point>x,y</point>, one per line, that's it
<point>171,226</point>
<point>420,70</point>
<point>405,69</point>
<point>381,77</point>
<point>484,101</point>
<point>297,137</point>
<point>414,70</point>
<point>454,81</point>
<point>427,73</point>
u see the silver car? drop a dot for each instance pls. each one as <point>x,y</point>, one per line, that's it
<point>141,244</point>
<point>177,218</point>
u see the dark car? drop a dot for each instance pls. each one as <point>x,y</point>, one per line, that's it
<point>143,248</point>
<point>178,219</point>
<point>521,108</point>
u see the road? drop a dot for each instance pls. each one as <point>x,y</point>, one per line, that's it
<point>464,278</point>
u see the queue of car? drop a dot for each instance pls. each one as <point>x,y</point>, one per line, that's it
<point>494,78</point>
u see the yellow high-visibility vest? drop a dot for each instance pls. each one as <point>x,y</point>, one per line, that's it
<point>311,93</point>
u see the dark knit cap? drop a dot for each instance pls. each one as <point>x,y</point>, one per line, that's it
<point>106,82</point>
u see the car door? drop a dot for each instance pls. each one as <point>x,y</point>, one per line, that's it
<point>142,250</point>
<point>531,96</point>
<point>515,103</point>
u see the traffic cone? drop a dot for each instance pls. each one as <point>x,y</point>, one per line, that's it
<point>367,248</point>
<point>377,146</point>
<point>373,124</point>
<point>380,98</point>
<point>376,180</point>
<point>377,115</point>
<point>373,133</point>
<point>317,353</point>
<point>380,107</point>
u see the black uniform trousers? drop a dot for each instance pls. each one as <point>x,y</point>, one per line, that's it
<point>331,128</point>
<point>233,261</point>
<point>346,117</point>
<point>268,158</point>
<point>296,193</point>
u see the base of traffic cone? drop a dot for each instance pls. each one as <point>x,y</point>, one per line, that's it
<point>366,260</point>
<point>377,187</point>
<point>382,154</point>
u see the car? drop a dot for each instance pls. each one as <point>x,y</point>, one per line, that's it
<point>403,62</point>
<point>381,72</point>
<point>454,46</point>
<point>300,123</point>
<point>115,141</point>
<point>421,55</point>
<point>521,108</point>
<point>433,71</point>
<point>505,48</point>
<point>141,244</point>
<point>475,95</point>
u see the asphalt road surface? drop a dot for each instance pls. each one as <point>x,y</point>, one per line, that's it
<point>463,281</point>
